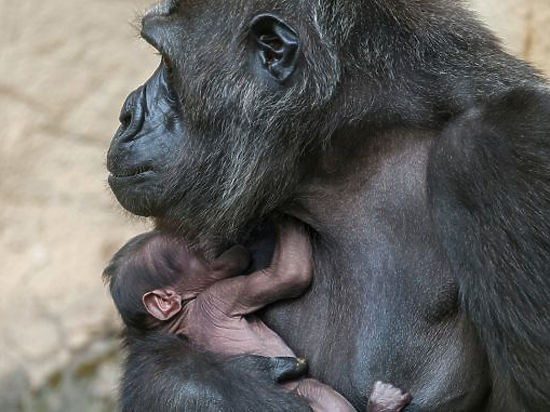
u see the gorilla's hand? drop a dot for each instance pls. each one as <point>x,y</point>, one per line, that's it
<point>166,373</point>
<point>280,369</point>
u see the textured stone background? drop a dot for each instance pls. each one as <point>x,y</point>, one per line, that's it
<point>65,68</point>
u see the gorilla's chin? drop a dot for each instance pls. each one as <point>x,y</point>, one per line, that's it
<point>139,194</point>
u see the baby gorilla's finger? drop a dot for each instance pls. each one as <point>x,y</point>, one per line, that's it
<point>293,250</point>
<point>321,397</point>
<point>232,262</point>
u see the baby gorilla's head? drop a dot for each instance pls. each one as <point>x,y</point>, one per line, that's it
<point>149,262</point>
<point>154,274</point>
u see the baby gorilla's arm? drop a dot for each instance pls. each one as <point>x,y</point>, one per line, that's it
<point>288,276</point>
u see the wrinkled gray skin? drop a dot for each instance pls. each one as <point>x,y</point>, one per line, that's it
<point>399,140</point>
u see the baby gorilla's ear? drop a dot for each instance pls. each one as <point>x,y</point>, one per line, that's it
<point>162,304</point>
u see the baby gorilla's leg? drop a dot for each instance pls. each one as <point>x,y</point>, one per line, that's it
<point>387,398</point>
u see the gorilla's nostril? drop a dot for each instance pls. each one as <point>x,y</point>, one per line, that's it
<point>132,115</point>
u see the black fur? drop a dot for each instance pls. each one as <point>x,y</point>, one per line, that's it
<point>489,178</point>
<point>414,147</point>
<point>163,373</point>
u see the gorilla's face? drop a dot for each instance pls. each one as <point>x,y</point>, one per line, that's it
<point>146,146</point>
<point>215,138</point>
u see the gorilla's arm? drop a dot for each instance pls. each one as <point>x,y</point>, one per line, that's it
<point>164,373</point>
<point>489,187</point>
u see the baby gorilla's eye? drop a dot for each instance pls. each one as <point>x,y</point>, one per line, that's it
<point>170,76</point>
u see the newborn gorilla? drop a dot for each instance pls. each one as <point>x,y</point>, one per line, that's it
<point>159,285</point>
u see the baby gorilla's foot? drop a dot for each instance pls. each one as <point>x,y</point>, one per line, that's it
<point>387,398</point>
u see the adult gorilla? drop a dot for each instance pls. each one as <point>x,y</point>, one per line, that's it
<point>411,144</point>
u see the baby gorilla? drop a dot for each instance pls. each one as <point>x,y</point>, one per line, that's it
<point>158,284</point>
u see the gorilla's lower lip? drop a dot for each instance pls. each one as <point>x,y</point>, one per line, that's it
<point>130,177</point>
<point>131,172</point>
<point>138,193</point>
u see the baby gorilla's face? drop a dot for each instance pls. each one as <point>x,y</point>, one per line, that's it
<point>191,275</point>
<point>189,272</point>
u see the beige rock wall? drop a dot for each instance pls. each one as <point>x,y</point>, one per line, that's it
<point>65,68</point>
<point>523,25</point>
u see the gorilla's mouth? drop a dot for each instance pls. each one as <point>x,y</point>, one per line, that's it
<point>136,188</point>
<point>139,170</point>
<point>128,177</point>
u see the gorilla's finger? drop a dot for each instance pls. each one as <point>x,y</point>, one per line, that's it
<point>288,368</point>
<point>278,369</point>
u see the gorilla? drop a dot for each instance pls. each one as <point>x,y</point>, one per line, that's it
<point>417,153</point>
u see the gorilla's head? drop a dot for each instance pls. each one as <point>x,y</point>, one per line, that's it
<point>248,92</point>
<point>216,138</point>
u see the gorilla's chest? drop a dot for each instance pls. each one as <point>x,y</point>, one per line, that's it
<point>383,311</point>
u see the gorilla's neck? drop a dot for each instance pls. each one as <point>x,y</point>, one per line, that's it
<point>366,176</point>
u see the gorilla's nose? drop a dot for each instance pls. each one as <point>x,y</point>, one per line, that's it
<point>132,116</point>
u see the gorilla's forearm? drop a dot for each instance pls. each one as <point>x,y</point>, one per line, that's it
<point>165,373</point>
<point>490,191</point>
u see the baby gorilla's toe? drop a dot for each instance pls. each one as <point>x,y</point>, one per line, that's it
<point>387,398</point>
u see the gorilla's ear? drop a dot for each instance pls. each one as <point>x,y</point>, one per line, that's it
<point>276,45</point>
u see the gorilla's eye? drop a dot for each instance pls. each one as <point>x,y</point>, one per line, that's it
<point>169,71</point>
<point>276,45</point>
<point>167,65</point>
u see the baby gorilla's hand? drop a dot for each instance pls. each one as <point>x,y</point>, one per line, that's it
<point>387,398</point>
<point>200,274</point>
